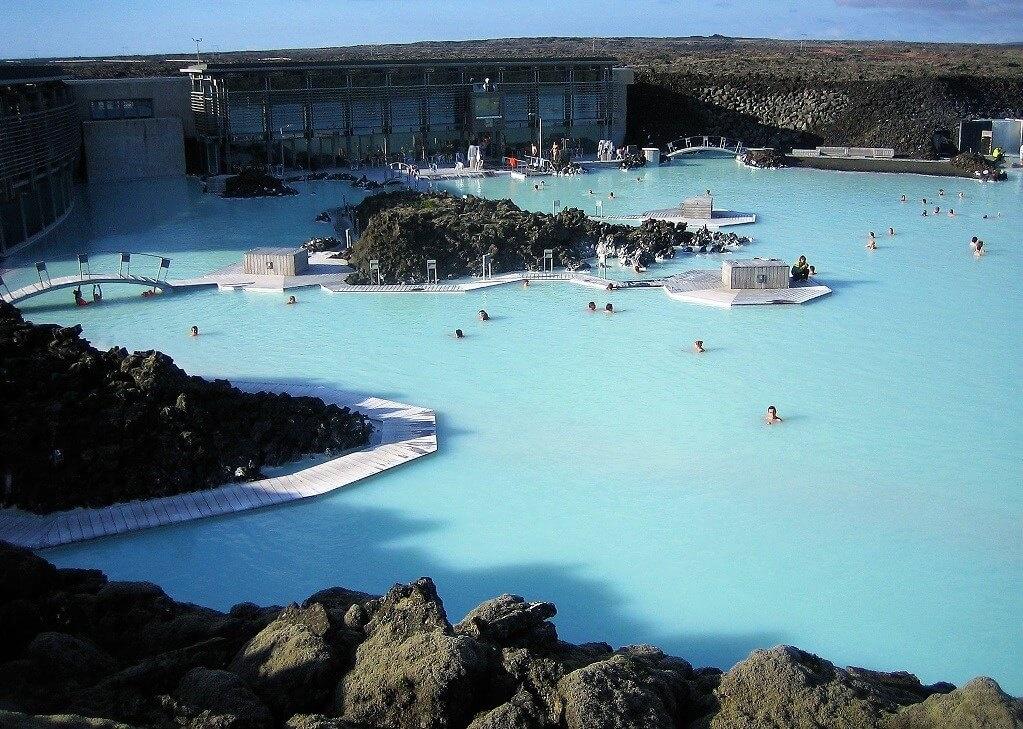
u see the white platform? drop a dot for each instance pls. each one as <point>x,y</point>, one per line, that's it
<point>403,433</point>
<point>705,287</point>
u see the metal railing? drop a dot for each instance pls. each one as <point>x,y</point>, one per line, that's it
<point>706,142</point>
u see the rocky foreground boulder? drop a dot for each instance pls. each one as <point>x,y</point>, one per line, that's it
<point>81,427</point>
<point>81,652</point>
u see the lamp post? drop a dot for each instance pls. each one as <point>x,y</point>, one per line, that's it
<point>197,41</point>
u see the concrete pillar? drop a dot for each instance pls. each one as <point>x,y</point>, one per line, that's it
<point>653,155</point>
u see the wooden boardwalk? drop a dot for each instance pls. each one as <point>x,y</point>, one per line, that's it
<point>403,433</point>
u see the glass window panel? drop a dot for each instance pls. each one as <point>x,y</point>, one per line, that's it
<point>552,106</point>
<point>441,109</point>
<point>327,116</point>
<point>246,118</point>
<point>288,117</point>
<point>367,115</point>
<point>405,113</point>
<point>584,106</point>
<point>516,107</point>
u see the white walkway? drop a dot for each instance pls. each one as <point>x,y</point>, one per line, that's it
<point>402,434</point>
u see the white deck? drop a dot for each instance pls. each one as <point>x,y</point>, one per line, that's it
<point>721,219</point>
<point>705,287</point>
<point>322,271</point>
<point>404,433</point>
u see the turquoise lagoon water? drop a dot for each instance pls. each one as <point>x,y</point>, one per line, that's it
<point>594,461</point>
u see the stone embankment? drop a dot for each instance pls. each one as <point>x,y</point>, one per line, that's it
<point>917,117</point>
<point>81,651</point>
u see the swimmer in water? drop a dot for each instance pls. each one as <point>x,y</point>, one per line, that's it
<point>610,287</point>
<point>923,200</point>
<point>951,213</point>
<point>772,418</point>
<point>925,213</point>
<point>937,210</point>
<point>292,300</point>
<point>611,196</point>
<point>698,346</point>
<point>979,251</point>
<point>592,306</point>
<point>872,243</point>
<point>608,309</point>
<point>194,331</point>
<point>459,334</point>
<point>960,194</point>
<point>591,192</point>
<point>483,315</point>
<point>903,198</point>
<point>525,283</point>
<point>941,191</point>
<point>891,231</point>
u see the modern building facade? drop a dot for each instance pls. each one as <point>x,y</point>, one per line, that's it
<point>313,114</point>
<point>39,143</point>
<point>134,128</point>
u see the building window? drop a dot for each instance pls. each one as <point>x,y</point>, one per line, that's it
<point>121,109</point>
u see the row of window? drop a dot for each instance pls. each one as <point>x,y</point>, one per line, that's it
<point>121,109</point>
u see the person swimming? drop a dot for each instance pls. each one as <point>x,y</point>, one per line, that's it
<point>903,199</point>
<point>698,346</point>
<point>960,194</point>
<point>951,213</point>
<point>483,315</point>
<point>979,250</point>
<point>608,309</point>
<point>872,244</point>
<point>610,287</point>
<point>973,242</point>
<point>923,200</point>
<point>924,214</point>
<point>937,210</point>
<point>591,192</point>
<point>525,283</point>
<point>941,191</point>
<point>194,331</point>
<point>536,187</point>
<point>611,195</point>
<point>772,417</point>
<point>79,299</point>
<point>459,334</point>
<point>592,306</point>
<point>291,300</point>
<point>891,231</point>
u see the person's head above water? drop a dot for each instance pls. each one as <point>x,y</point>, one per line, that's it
<point>292,300</point>
<point>609,308</point>
<point>458,334</point>
<point>698,345</point>
<point>592,306</point>
<point>483,315</point>
<point>194,331</point>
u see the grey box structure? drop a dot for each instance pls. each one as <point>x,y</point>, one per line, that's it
<point>276,261</point>
<point>756,273</point>
<point>700,207</point>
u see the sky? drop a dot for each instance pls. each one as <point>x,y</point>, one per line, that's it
<point>41,28</point>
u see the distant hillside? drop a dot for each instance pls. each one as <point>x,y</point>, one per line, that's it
<point>833,60</point>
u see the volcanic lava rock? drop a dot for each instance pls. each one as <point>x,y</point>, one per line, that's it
<point>82,427</point>
<point>290,663</point>
<point>253,182</point>
<point>412,671</point>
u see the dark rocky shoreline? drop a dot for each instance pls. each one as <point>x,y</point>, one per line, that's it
<point>82,651</point>
<point>402,230</point>
<point>81,427</point>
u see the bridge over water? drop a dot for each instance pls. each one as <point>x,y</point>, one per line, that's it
<point>693,145</point>
<point>86,277</point>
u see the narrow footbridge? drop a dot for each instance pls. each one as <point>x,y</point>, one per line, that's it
<point>86,277</point>
<point>692,145</point>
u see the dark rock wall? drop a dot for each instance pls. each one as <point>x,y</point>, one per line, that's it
<point>915,116</point>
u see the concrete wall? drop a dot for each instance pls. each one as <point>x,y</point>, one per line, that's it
<point>621,79</point>
<point>132,149</point>
<point>170,95</point>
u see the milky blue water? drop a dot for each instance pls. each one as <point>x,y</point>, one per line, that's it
<point>596,462</point>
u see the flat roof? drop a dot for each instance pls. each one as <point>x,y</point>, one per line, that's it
<point>29,73</point>
<point>232,66</point>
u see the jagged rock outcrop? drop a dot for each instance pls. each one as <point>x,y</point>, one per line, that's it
<point>402,230</point>
<point>980,704</point>
<point>787,687</point>
<point>290,663</point>
<point>412,670</point>
<point>81,427</point>
<point>254,182</point>
<point>208,697</point>
<point>349,660</point>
